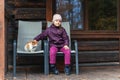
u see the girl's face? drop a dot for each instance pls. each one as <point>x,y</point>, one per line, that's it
<point>57,23</point>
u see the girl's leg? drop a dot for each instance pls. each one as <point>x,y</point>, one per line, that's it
<point>53,51</point>
<point>67,60</point>
<point>67,56</point>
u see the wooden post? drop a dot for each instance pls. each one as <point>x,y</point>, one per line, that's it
<point>2,40</point>
<point>49,10</point>
<point>118,25</point>
<point>86,28</point>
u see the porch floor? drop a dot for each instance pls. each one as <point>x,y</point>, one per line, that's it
<point>86,73</point>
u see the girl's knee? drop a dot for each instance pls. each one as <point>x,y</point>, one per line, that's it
<point>67,52</point>
<point>53,49</point>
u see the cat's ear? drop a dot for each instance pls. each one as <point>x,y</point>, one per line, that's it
<point>34,42</point>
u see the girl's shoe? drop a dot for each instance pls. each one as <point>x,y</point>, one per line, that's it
<point>67,70</point>
<point>54,70</point>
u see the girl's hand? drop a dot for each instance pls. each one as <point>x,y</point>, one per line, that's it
<point>66,47</point>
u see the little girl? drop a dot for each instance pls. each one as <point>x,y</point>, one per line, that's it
<point>58,41</point>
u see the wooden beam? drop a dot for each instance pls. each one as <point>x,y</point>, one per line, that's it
<point>90,34</point>
<point>2,40</point>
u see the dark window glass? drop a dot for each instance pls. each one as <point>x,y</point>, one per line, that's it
<point>102,14</point>
<point>72,11</point>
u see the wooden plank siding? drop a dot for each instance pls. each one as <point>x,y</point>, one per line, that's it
<point>97,46</point>
<point>29,4</point>
<point>25,13</point>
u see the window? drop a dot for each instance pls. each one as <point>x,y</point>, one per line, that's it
<point>71,10</point>
<point>89,14</point>
<point>102,14</point>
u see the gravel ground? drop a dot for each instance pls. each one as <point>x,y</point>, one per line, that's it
<point>86,73</point>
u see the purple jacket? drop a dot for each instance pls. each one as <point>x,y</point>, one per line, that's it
<point>57,36</point>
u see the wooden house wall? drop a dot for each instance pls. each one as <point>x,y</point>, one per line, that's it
<point>94,47</point>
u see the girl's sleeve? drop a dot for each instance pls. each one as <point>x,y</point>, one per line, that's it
<point>65,37</point>
<point>42,35</point>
